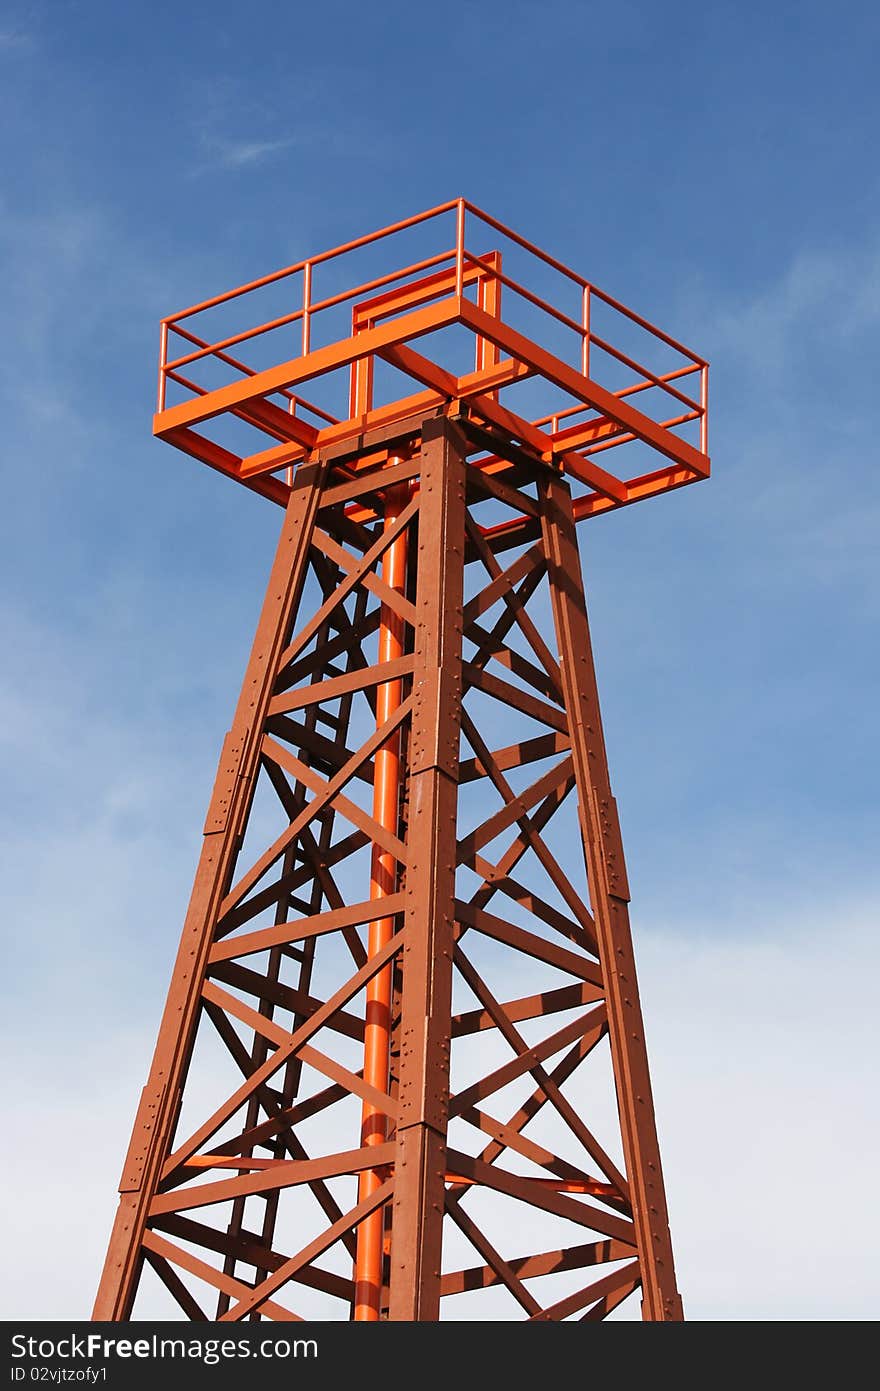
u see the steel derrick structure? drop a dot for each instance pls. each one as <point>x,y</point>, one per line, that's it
<point>406,974</point>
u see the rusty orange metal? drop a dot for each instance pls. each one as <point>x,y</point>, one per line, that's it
<point>391,312</point>
<point>426,943</point>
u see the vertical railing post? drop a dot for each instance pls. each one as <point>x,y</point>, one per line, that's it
<point>585,341</point>
<point>459,249</point>
<point>704,407</point>
<point>163,358</point>
<point>307,305</point>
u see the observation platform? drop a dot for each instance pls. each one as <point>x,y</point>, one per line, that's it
<point>340,356</point>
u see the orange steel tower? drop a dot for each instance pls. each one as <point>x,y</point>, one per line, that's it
<point>401,1073</point>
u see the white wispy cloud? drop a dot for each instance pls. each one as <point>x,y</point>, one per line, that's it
<point>14,38</point>
<point>217,153</point>
<point>823,301</point>
<point>237,153</point>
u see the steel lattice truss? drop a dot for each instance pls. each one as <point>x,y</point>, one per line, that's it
<point>511,1158</point>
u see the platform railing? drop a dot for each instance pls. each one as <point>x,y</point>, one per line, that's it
<point>469,220</point>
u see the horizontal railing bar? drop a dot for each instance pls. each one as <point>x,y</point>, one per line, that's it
<point>313,260</point>
<point>291,318</point>
<point>244,337</point>
<point>645,371</point>
<point>172,320</point>
<point>664,377</point>
<point>252,372</point>
<point>648,326</point>
<point>223,357</point>
<point>174,376</point>
<point>385,231</point>
<point>624,392</point>
<point>528,246</point>
<point>382,280</point>
<point>628,437</point>
<point>526,294</point>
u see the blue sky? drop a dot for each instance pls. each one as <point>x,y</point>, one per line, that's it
<point>714,166</point>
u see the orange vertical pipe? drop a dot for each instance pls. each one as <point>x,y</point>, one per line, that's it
<point>383,881</point>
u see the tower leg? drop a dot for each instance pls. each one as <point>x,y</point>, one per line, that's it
<point>426,1005</point>
<point>609,895</point>
<point>224,826</point>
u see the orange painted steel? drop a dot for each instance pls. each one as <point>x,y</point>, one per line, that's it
<point>419,304</point>
<point>383,883</point>
<point>438,671</point>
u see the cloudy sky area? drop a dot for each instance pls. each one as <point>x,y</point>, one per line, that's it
<point>715,167</point>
